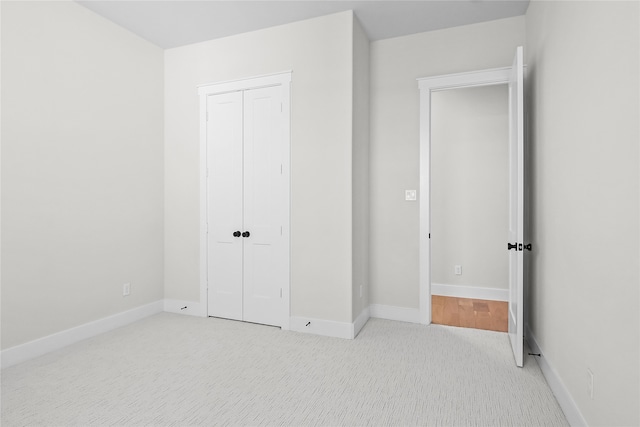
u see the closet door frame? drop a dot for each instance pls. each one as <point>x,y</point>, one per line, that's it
<point>284,81</point>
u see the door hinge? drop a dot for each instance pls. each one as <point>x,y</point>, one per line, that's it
<point>280,169</point>
<point>280,292</point>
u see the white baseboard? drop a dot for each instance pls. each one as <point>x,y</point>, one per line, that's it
<point>328,328</point>
<point>360,321</point>
<point>492,294</point>
<point>190,308</point>
<point>35,348</point>
<point>568,405</point>
<point>390,312</point>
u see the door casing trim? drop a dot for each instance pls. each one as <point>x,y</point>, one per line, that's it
<point>427,85</point>
<point>280,79</point>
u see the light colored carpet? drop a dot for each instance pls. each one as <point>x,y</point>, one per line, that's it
<point>180,370</point>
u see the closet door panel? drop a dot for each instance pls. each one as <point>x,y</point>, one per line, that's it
<point>264,269</point>
<point>225,204</point>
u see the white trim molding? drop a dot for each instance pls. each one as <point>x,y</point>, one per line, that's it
<point>327,328</point>
<point>487,77</point>
<point>475,292</point>
<point>32,349</point>
<point>254,82</point>
<point>190,308</point>
<point>390,312</point>
<point>566,402</point>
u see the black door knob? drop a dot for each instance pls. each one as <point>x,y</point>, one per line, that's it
<point>246,234</point>
<point>236,234</point>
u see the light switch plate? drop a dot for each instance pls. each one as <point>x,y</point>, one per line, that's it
<point>410,195</point>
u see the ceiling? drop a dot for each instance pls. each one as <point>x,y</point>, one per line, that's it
<point>173,23</point>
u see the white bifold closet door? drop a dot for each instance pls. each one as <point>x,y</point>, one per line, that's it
<point>247,254</point>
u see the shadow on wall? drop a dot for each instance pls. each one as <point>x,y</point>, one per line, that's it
<point>529,196</point>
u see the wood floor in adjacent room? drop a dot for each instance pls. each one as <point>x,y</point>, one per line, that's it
<point>470,313</point>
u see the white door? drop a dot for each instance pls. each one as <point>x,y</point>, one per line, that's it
<point>224,204</point>
<point>265,252</point>
<point>516,206</point>
<point>247,205</point>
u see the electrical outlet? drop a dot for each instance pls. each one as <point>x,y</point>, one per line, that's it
<point>458,270</point>
<point>126,289</point>
<point>589,383</point>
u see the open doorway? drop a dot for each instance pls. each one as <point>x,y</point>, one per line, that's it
<point>513,77</point>
<point>469,206</point>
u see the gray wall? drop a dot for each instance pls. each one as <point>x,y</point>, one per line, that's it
<point>320,53</point>
<point>394,164</point>
<point>469,186</point>
<point>82,169</point>
<point>583,94</point>
<point>360,291</point>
